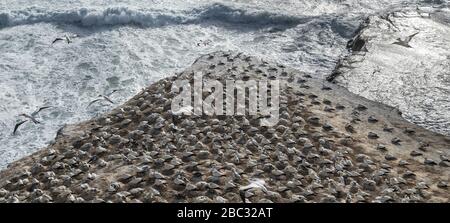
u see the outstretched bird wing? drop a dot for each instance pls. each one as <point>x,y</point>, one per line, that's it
<point>39,110</point>
<point>56,40</point>
<point>17,126</point>
<point>409,38</point>
<point>112,92</point>
<point>31,118</point>
<point>92,102</point>
<point>108,99</point>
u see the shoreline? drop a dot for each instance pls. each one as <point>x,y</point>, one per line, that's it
<point>300,160</point>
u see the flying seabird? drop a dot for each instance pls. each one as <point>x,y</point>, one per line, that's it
<point>406,41</point>
<point>254,184</point>
<point>67,38</point>
<point>31,117</point>
<point>103,97</point>
<point>204,42</point>
<point>39,110</point>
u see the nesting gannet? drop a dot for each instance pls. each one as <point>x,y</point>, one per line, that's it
<point>405,42</point>
<point>103,98</point>
<point>254,184</point>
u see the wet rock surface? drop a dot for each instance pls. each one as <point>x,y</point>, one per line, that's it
<point>401,59</point>
<point>142,152</point>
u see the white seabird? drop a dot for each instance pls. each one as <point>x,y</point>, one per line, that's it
<point>405,42</point>
<point>31,117</point>
<point>103,98</point>
<point>66,37</point>
<point>254,184</point>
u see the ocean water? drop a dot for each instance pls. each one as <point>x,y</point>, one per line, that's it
<point>128,45</point>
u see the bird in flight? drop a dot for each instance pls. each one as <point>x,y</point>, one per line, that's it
<point>102,97</point>
<point>405,42</point>
<point>31,117</point>
<point>204,42</point>
<point>66,37</point>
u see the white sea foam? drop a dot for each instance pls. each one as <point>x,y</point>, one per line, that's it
<point>147,18</point>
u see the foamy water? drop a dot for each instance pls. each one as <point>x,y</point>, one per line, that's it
<point>130,44</point>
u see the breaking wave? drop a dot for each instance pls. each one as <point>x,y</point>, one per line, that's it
<point>147,18</point>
